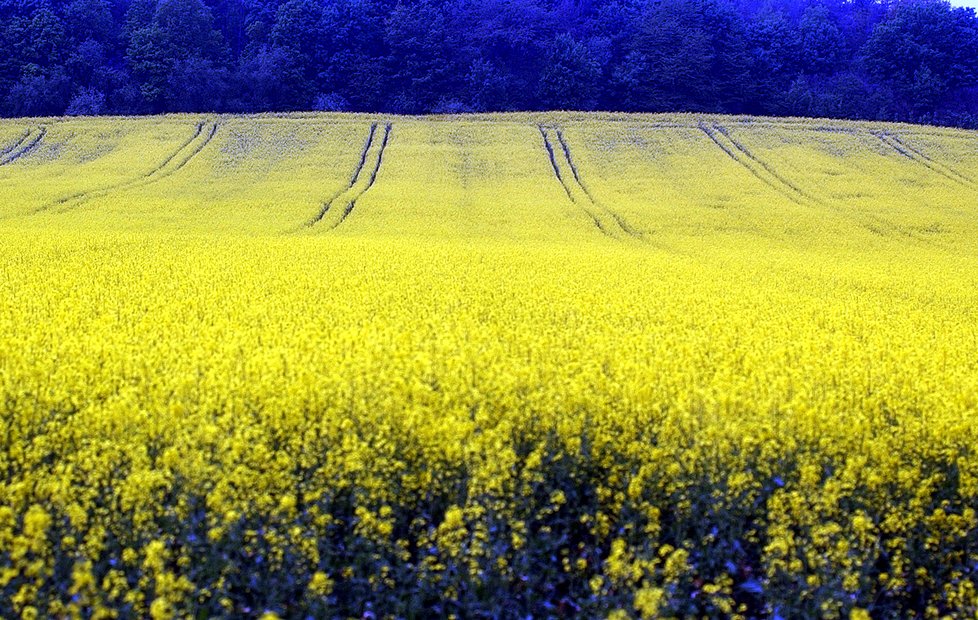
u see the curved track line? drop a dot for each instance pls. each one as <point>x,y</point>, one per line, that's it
<point>363,154</point>
<point>193,154</point>
<point>553,162</point>
<point>353,180</point>
<point>760,162</point>
<point>25,150</point>
<point>82,196</point>
<point>711,133</point>
<point>373,177</point>
<point>560,177</point>
<point>914,155</point>
<point>158,172</point>
<point>570,161</point>
<point>380,157</point>
<point>172,156</point>
<point>13,146</point>
<point>624,225</point>
<point>876,224</point>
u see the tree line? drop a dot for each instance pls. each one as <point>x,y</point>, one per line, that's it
<point>915,60</point>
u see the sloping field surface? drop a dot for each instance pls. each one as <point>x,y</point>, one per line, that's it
<point>631,179</point>
<point>487,366</point>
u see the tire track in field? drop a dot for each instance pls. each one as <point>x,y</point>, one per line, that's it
<point>917,156</point>
<point>353,180</point>
<point>563,183</point>
<point>373,176</point>
<point>755,165</point>
<point>920,158</point>
<point>877,225</point>
<point>359,183</point>
<point>194,153</point>
<point>619,220</point>
<point>22,150</point>
<point>737,151</point>
<point>15,144</point>
<point>173,155</point>
<point>183,154</point>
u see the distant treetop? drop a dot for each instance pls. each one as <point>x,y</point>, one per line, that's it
<point>915,60</point>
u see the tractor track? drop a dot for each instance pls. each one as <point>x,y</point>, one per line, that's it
<point>13,146</point>
<point>353,180</point>
<point>351,194</point>
<point>967,179</point>
<point>21,150</point>
<point>373,176</point>
<point>194,153</point>
<point>570,161</point>
<point>622,223</point>
<point>760,162</point>
<point>563,183</point>
<point>158,173</point>
<point>786,188</point>
<point>173,155</point>
<point>918,157</point>
<point>732,155</point>
<point>363,155</point>
<point>380,157</point>
<point>755,165</point>
<point>553,161</point>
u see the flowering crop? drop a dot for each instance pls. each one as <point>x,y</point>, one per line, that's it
<point>466,399</point>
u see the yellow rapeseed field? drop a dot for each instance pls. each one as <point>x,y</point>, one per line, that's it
<point>487,366</point>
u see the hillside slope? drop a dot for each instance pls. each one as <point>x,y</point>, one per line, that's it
<point>627,179</point>
<point>489,367</point>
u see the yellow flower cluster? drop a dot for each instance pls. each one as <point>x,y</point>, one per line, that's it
<point>754,406</point>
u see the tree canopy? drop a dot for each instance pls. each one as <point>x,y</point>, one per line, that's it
<point>913,60</point>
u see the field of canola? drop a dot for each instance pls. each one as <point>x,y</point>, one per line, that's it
<point>487,367</point>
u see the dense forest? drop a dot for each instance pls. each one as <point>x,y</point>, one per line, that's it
<point>915,60</point>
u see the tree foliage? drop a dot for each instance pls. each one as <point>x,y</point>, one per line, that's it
<point>913,60</point>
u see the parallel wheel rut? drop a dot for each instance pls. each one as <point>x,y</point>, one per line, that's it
<point>24,147</point>
<point>917,156</point>
<point>353,192</point>
<point>183,154</point>
<point>588,205</point>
